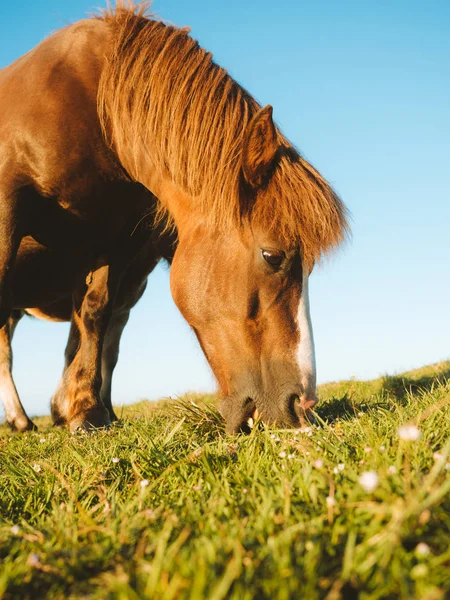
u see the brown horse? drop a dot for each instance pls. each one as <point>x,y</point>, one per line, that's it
<point>112,104</point>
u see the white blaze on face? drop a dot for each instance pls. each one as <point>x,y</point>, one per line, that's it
<point>305,354</point>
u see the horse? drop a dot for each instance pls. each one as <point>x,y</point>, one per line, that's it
<point>120,103</point>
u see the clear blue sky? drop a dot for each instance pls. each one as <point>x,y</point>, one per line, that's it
<point>363,90</point>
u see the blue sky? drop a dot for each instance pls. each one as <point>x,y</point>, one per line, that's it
<point>362,89</point>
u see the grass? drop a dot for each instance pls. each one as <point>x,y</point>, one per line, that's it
<point>166,506</point>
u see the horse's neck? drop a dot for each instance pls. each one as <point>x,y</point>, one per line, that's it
<point>172,197</point>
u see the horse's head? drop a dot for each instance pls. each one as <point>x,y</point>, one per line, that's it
<point>245,294</point>
<point>246,297</point>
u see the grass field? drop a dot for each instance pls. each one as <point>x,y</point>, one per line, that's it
<point>166,506</point>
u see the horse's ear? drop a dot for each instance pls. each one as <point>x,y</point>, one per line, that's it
<point>260,147</point>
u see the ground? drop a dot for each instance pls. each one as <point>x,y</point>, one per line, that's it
<point>165,505</point>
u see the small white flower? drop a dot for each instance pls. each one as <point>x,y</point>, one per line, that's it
<point>115,460</point>
<point>360,414</point>
<point>367,450</point>
<point>341,466</point>
<point>291,456</point>
<point>37,467</point>
<point>42,440</point>
<point>15,530</point>
<point>382,448</point>
<point>197,488</point>
<point>273,436</point>
<point>307,453</point>
<point>419,571</point>
<point>309,434</point>
<point>330,501</point>
<point>392,470</point>
<point>33,560</point>
<point>277,439</point>
<point>244,490</point>
<point>305,430</point>
<point>318,463</point>
<point>368,481</point>
<point>282,454</point>
<point>409,433</point>
<point>335,470</point>
<point>144,483</point>
<point>422,550</point>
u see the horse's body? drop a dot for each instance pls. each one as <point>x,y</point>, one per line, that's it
<point>110,109</point>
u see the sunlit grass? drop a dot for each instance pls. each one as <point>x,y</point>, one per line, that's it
<point>166,505</point>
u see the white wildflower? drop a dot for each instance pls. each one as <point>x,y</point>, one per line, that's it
<point>115,460</point>
<point>291,456</point>
<point>37,467</point>
<point>33,560</point>
<point>341,466</point>
<point>368,481</point>
<point>419,571</point>
<point>318,463</point>
<point>367,450</point>
<point>409,433</point>
<point>382,448</point>
<point>244,490</point>
<point>392,470</point>
<point>282,454</point>
<point>197,488</point>
<point>330,501</point>
<point>42,440</point>
<point>15,530</point>
<point>422,550</point>
<point>144,483</point>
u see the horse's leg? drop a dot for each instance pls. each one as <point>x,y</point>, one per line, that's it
<point>15,414</point>
<point>59,406</point>
<point>131,290</point>
<point>110,357</point>
<point>77,402</point>
<point>10,236</point>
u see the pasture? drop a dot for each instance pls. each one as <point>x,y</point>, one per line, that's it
<point>166,505</point>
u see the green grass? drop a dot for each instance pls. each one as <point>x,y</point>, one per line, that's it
<point>188,512</point>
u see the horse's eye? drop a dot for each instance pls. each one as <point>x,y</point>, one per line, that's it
<point>273,257</point>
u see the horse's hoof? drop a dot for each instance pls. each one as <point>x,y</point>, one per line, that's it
<point>88,424</point>
<point>22,424</point>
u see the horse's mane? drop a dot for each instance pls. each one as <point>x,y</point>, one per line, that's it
<point>161,91</point>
